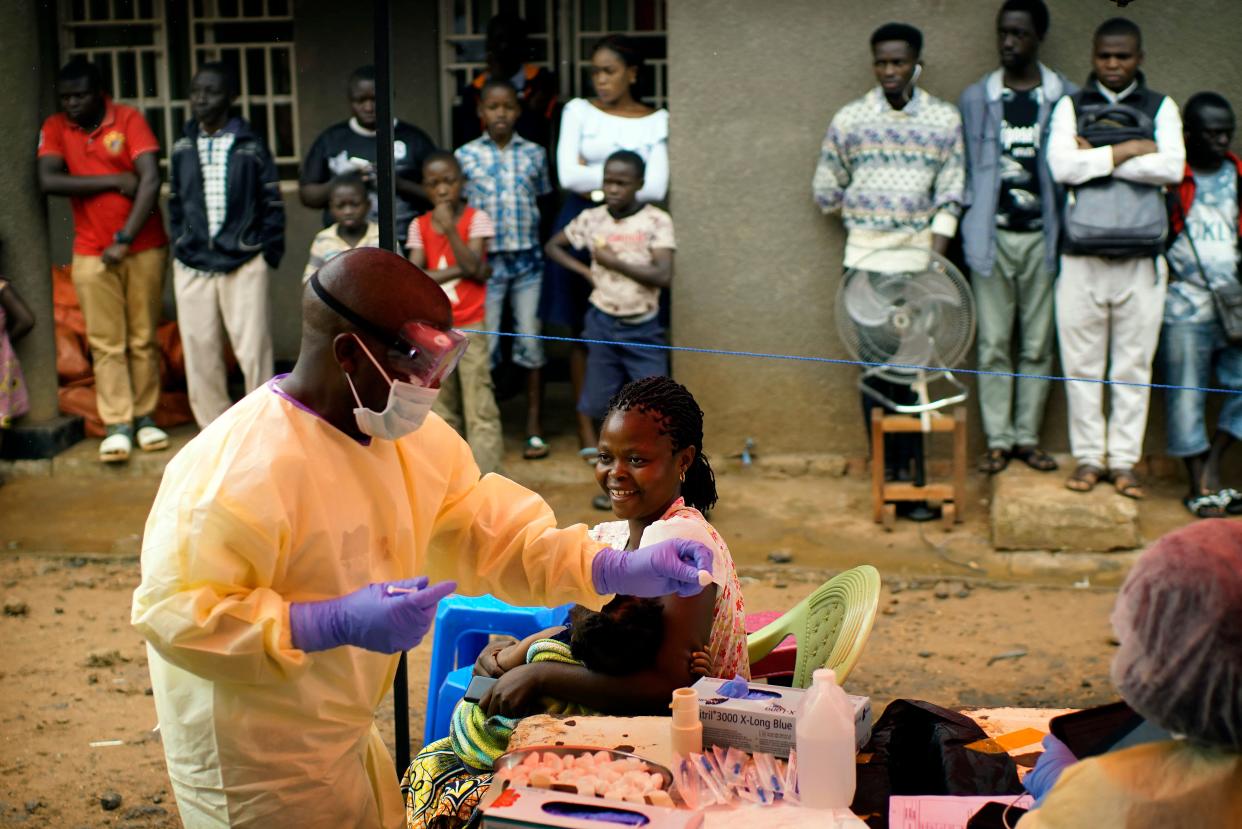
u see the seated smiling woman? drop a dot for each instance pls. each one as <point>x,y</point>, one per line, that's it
<point>651,464</point>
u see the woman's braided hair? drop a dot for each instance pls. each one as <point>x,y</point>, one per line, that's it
<point>682,420</point>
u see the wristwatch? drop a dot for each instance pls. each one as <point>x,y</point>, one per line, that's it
<point>122,238</point>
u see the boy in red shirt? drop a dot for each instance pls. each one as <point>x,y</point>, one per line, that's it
<point>450,243</point>
<point>104,157</point>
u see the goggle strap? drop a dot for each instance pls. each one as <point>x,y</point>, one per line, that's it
<point>346,312</point>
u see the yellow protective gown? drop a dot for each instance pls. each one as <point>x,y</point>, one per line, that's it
<point>272,505</point>
<point>1172,784</point>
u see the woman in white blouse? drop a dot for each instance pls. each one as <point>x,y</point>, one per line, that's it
<point>591,130</point>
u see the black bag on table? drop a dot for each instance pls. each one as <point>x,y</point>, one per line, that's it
<point>920,748</point>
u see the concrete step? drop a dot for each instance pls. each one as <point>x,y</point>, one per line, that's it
<point>1034,511</point>
<point>82,460</point>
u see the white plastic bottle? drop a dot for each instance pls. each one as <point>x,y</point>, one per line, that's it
<point>824,734</point>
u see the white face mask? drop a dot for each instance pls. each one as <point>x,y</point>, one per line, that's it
<point>407,407</point>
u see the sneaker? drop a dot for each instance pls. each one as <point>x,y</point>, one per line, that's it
<point>116,445</point>
<point>151,438</point>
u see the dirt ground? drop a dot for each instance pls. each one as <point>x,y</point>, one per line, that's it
<point>74,674</point>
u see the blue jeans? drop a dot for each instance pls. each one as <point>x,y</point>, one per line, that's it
<point>518,277</point>
<point>1189,351</point>
<point>609,367</point>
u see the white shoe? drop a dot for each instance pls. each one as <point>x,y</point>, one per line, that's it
<point>115,448</point>
<point>152,438</point>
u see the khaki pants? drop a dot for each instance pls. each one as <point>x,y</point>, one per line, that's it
<point>121,305</point>
<point>209,306</point>
<point>1018,289</point>
<point>467,395</point>
<point>1108,323</point>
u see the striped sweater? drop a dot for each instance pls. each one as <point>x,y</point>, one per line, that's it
<point>893,170</point>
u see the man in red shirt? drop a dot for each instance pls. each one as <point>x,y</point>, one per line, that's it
<point>103,156</point>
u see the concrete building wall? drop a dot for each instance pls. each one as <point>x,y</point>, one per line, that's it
<point>752,88</point>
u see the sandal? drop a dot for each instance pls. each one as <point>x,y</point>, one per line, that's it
<point>1085,477</point>
<point>535,448</point>
<point>1232,500</point>
<point>994,461</point>
<point>1207,505</point>
<point>1035,458</point>
<point>590,454</point>
<point>1127,484</point>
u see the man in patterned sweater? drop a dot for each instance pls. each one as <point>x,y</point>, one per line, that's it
<point>892,164</point>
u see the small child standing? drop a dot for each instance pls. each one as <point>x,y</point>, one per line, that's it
<point>505,176</point>
<point>16,320</point>
<point>348,204</point>
<point>450,243</point>
<point>631,248</point>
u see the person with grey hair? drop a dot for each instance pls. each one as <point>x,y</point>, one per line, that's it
<point>1178,619</point>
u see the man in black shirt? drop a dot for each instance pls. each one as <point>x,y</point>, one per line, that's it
<point>1009,233</point>
<point>349,147</point>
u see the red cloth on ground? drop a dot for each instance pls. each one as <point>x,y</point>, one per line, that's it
<point>77,379</point>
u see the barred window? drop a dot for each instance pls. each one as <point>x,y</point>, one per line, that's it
<point>463,49</point>
<point>148,50</point>
<point>561,35</point>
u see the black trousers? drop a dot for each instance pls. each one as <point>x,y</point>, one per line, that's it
<point>904,451</point>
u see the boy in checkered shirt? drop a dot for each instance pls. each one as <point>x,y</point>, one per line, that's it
<point>506,175</point>
<point>228,224</point>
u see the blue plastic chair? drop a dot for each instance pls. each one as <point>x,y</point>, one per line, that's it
<point>463,625</point>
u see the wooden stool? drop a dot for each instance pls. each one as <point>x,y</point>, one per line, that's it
<point>885,495</point>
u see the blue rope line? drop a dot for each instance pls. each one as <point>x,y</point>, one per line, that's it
<point>842,362</point>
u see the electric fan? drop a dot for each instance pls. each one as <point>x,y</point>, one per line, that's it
<point>910,316</point>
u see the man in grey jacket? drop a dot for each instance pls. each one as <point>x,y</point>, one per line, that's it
<point>1010,230</point>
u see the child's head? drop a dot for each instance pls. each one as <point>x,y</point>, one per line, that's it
<point>349,202</point>
<point>621,639</point>
<point>623,178</point>
<point>442,178</point>
<point>651,451</point>
<point>499,109</point>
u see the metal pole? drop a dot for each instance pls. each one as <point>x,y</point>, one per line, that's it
<point>385,188</point>
<point>385,185</point>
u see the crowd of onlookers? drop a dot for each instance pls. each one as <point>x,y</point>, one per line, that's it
<point>1093,217</point>
<point>1021,167</point>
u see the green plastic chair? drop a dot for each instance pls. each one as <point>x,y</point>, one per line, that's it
<point>832,625</point>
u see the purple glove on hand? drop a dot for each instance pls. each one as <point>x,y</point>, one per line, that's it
<point>663,568</point>
<point>1056,758</point>
<point>371,617</point>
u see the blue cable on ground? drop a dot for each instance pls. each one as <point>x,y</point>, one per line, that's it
<point>843,362</point>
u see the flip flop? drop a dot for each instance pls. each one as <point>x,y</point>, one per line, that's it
<point>1035,458</point>
<point>1232,500</point>
<point>1085,477</point>
<point>535,448</point>
<point>1128,484</point>
<point>1207,505</point>
<point>590,454</point>
<point>994,461</point>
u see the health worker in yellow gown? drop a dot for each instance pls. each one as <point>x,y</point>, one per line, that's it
<point>287,559</point>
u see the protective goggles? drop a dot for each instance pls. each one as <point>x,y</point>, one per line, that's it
<point>418,349</point>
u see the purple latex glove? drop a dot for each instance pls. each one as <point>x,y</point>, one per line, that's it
<point>660,569</point>
<point>371,617</point>
<point>1056,758</point>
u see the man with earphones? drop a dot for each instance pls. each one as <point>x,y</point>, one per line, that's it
<point>892,165</point>
<point>289,556</point>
